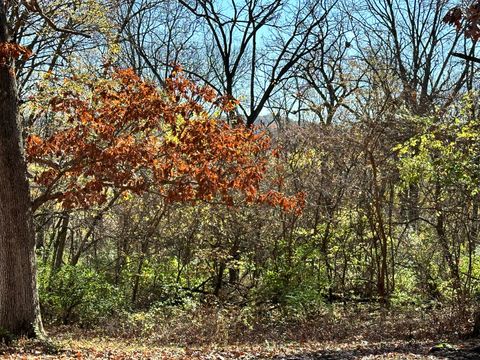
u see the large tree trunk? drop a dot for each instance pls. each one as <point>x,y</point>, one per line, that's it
<point>19,307</point>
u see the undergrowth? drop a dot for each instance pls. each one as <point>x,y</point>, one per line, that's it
<point>206,325</point>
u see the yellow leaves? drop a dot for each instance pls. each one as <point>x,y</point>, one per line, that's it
<point>127,196</point>
<point>303,159</point>
<point>169,136</point>
<point>180,120</point>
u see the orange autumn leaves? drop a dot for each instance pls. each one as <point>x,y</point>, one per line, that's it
<point>122,134</point>
<point>10,51</point>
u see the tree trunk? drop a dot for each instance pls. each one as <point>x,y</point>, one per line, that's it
<point>136,281</point>
<point>59,247</point>
<point>143,255</point>
<point>233,270</point>
<point>448,254</point>
<point>219,278</point>
<point>19,307</point>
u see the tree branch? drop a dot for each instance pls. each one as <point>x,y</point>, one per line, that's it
<point>35,7</point>
<point>466,57</point>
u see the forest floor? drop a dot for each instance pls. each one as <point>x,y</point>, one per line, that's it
<point>117,349</point>
<point>407,334</point>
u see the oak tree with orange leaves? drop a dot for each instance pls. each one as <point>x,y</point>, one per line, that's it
<point>123,134</point>
<point>115,135</point>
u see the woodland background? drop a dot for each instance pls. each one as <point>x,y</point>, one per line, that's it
<point>375,128</point>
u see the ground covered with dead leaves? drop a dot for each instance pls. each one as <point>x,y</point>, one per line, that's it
<point>206,335</point>
<point>119,350</point>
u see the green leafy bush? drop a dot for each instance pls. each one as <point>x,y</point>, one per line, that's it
<point>77,293</point>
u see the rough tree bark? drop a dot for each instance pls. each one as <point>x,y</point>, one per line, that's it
<point>19,306</point>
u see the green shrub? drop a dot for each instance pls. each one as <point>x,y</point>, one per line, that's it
<point>297,295</point>
<point>77,293</point>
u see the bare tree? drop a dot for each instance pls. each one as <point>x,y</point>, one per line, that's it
<point>418,45</point>
<point>327,78</point>
<point>155,35</point>
<point>245,50</point>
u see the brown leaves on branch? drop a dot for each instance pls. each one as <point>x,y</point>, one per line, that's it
<point>123,133</point>
<point>466,19</point>
<point>10,51</point>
